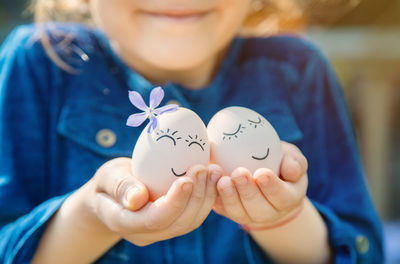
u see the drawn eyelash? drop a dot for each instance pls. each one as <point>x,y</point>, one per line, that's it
<point>196,141</point>
<point>161,134</point>
<point>259,122</point>
<point>234,134</point>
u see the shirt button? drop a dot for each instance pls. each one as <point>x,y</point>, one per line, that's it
<point>106,91</point>
<point>362,244</point>
<point>106,138</point>
<point>173,102</point>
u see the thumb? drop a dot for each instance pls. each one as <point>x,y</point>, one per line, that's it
<point>116,180</point>
<point>132,194</point>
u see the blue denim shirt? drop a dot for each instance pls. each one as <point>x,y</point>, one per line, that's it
<point>49,120</point>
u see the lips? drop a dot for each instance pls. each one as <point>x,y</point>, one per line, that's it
<point>178,15</point>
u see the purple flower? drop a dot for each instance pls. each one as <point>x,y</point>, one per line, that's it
<point>151,112</point>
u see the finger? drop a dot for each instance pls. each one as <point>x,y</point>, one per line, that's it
<point>116,180</point>
<point>293,164</point>
<point>155,215</point>
<point>199,175</point>
<point>282,195</point>
<point>253,201</point>
<point>213,175</point>
<point>166,209</point>
<point>215,172</point>
<point>290,168</point>
<point>115,216</point>
<point>218,207</point>
<point>230,200</point>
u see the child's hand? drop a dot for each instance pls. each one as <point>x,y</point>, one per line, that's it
<point>262,200</point>
<point>188,202</point>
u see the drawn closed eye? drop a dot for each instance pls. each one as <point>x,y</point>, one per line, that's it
<point>259,122</point>
<point>255,122</point>
<point>167,135</point>
<point>195,141</point>
<point>234,134</point>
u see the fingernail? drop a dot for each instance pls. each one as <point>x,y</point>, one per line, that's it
<point>130,194</point>
<point>298,165</point>
<point>228,190</point>
<point>263,180</point>
<point>215,176</point>
<point>240,180</point>
<point>201,175</point>
<point>186,186</point>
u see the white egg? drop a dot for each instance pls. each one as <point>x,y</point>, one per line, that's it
<point>160,157</point>
<point>240,137</point>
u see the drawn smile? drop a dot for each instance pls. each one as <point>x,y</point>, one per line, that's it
<point>262,158</point>
<point>176,174</point>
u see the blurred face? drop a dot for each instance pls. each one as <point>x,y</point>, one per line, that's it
<point>171,35</point>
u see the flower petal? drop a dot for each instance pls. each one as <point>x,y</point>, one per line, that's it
<point>137,100</point>
<point>152,124</point>
<point>156,96</point>
<point>166,108</point>
<point>136,120</point>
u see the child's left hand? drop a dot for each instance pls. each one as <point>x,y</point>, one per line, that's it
<point>264,199</point>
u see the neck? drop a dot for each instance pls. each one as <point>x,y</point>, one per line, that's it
<point>194,78</point>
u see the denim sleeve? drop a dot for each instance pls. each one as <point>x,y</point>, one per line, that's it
<point>24,81</point>
<point>337,185</point>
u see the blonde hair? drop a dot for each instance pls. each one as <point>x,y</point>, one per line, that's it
<point>274,16</point>
<point>60,10</point>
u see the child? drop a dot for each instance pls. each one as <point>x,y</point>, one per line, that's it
<point>66,191</point>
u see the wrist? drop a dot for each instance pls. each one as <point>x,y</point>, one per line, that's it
<point>82,204</point>
<point>74,228</point>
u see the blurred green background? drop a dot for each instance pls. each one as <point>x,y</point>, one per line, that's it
<point>12,14</point>
<point>362,39</point>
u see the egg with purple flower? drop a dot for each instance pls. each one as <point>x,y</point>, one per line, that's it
<point>173,141</point>
<point>241,137</point>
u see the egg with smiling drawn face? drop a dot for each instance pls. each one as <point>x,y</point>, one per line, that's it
<point>161,156</point>
<point>240,137</point>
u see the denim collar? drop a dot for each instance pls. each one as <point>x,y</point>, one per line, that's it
<point>135,81</point>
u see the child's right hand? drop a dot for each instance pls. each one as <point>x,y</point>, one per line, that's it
<point>115,194</point>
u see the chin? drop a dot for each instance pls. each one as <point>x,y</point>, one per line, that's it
<point>178,56</point>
